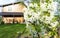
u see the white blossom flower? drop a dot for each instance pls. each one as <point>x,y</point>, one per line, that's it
<point>35,5</point>
<point>31,5</point>
<point>43,6</point>
<point>51,8</point>
<point>54,24</point>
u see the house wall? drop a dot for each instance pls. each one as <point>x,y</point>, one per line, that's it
<point>14,8</point>
<point>17,8</point>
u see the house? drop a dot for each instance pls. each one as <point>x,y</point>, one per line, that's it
<point>13,12</point>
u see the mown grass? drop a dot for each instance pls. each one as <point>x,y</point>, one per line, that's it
<point>10,30</point>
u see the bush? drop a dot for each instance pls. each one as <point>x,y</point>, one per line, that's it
<point>2,22</point>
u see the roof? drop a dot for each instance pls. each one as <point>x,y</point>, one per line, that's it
<point>11,4</point>
<point>11,13</point>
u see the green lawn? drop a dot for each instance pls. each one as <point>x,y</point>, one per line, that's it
<point>10,30</point>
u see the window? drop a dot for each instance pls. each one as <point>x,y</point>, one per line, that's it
<point>9,8</point>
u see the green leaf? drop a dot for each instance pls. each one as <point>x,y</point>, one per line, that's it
<point>36,1</point>
<point>29,16</point>
<point>47,1</point>
<point>54,19</point>
<point>46,13</point>
<point>34,9</point>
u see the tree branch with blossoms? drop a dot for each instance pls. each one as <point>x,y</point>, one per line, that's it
<point>40,17</point>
